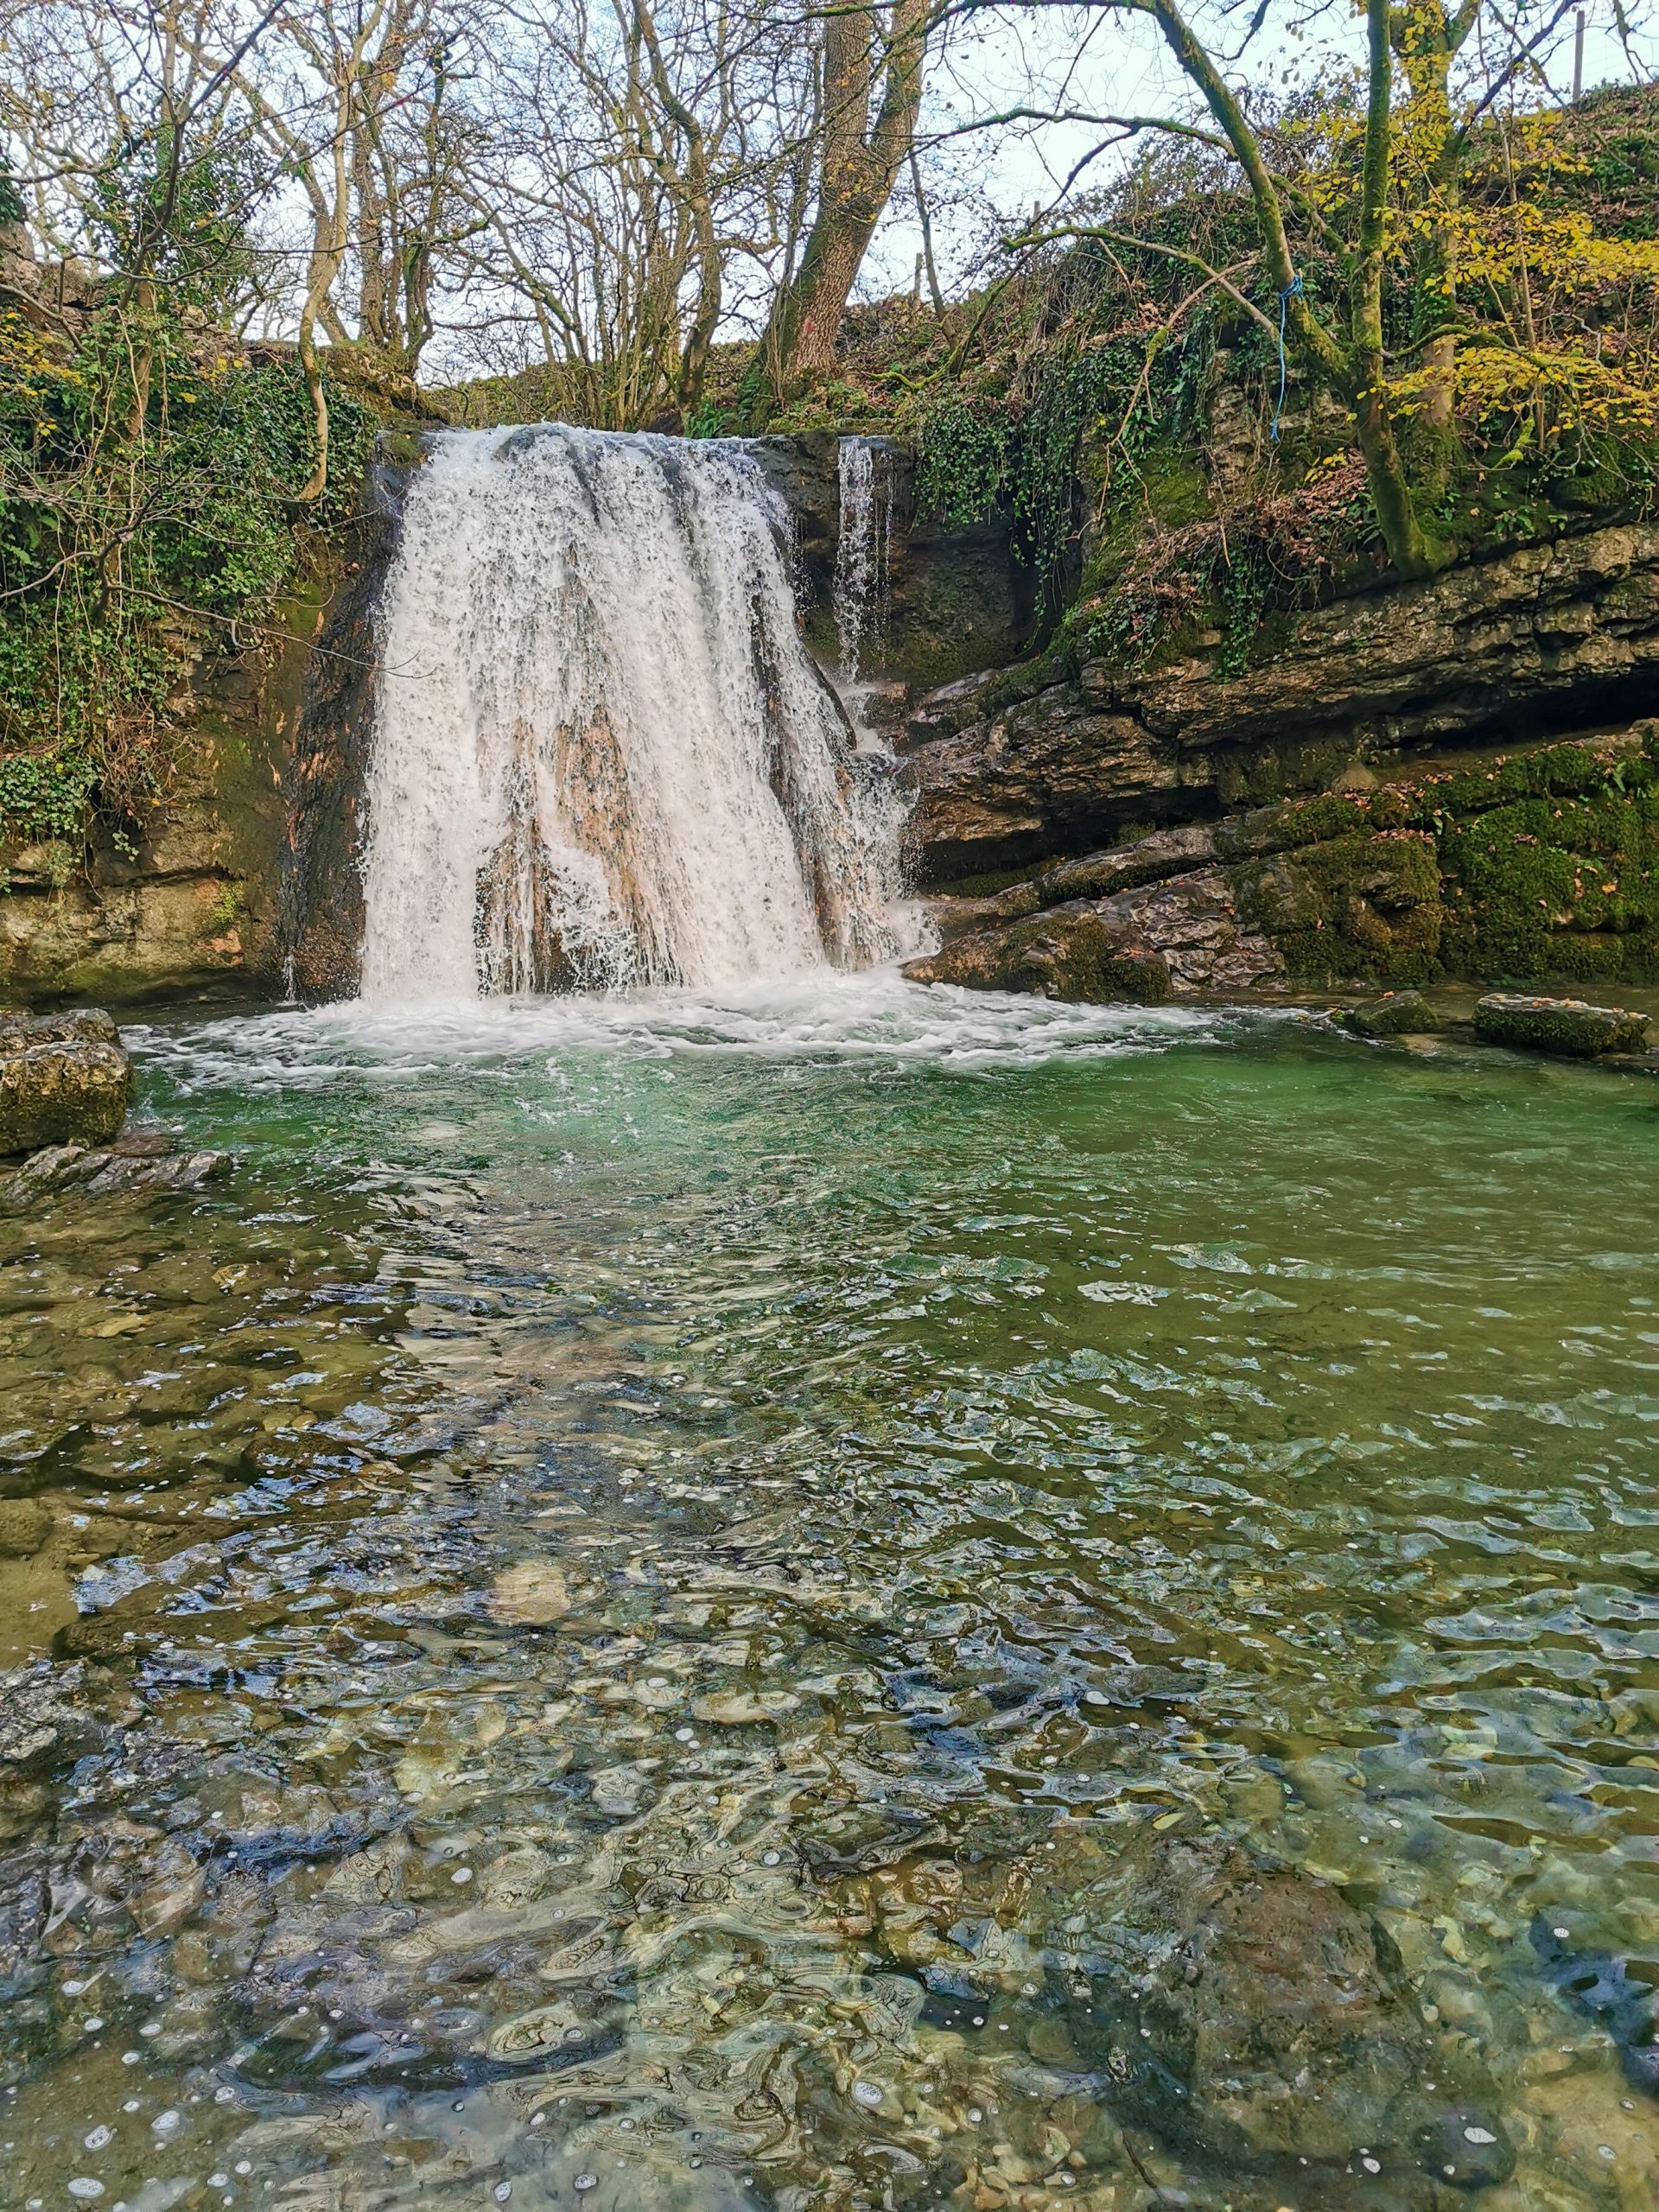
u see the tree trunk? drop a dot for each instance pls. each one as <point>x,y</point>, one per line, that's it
<point>858,164</point>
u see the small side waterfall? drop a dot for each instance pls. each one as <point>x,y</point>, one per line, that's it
<point>862,551</point>
<point>603,756</point>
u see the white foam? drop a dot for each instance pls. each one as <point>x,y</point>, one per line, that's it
<point>823,1016</point>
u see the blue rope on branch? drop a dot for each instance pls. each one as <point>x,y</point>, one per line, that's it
<point>1293,291</point>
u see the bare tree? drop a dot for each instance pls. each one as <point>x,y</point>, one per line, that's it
<point>871,64</point>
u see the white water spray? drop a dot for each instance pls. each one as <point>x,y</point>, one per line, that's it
<point>602,755</point>
<point>862,551</point>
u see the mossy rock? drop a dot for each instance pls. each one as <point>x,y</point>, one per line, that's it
<point>1365,905</point>
<point>64,1080</point>
<point>1567,1026</point>
<point>1398,1013</point>
<point>1292,825</point>
<point>1068,953</point>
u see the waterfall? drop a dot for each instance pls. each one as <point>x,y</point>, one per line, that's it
<point>862,550</point>
<point>602,755</point>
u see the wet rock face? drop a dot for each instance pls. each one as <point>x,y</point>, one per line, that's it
<point>63,1079</point>
<point>1069,954</point>
<point>955,599</point>
<point>995,785</point>
<point>1247,2014</point>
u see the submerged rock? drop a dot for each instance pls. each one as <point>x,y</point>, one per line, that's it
<point>44,1716</point>
<point>1249,2016</point>
<point>24,1527</point>
<point>146,1162</point>
<point>1567,1026</point>
<point>1396,1013</point>
<point>63,1078</point>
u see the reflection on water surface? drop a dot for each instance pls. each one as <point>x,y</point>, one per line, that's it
<point>665,1605</point>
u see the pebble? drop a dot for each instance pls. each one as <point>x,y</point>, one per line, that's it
<point>866,2092</point>
<point>165,2122</point>
<point>587,2181</point>
<point>502,2191</point>
<point>85,2188</point>
<point>461,1874</point>
<point>98,2138</point>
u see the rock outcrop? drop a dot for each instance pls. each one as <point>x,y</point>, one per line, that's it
<point>145,1162</point>
<point>1020,764</point>
<point>64,1078</point>
<point>1158,940</point>
<point>1539,864</point>
<point>954,599</point>
<point>201,897</point>
<point>65,1086</point>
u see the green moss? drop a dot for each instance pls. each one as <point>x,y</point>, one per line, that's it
<point>1401,1014</point>
<point>1364,905</point>
<point>1550,772</point>
<point>1295,823</point>
<point>1562,1025</point>
<point>1567,886</point>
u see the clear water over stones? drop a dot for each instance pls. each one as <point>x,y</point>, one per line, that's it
<point>706,1602</point>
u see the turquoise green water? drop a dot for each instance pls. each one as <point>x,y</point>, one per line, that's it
<point>602,1556</point>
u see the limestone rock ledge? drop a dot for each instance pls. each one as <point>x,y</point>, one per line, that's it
<point>1022,763</point>
<point>1542,863</point>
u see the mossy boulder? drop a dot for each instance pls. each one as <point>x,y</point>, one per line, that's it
<point>1367,905</point>
<point>64,1080</point>
<point>1069,953</point>
<point>1567,1026</point>
<point>1396,1013</point>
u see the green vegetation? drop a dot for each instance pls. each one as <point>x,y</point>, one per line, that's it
<point>1119,405</point>
<point>146,515</point>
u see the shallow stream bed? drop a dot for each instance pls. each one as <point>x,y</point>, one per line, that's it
<point>605,1602</point>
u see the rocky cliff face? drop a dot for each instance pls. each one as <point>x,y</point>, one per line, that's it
<point>207,898</point>
<point>1015,766</point>
<point>956,601</point>
<point>1544,863</point>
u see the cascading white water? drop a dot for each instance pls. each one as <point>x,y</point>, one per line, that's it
<point>602,754</point>
<point>862,550</point>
